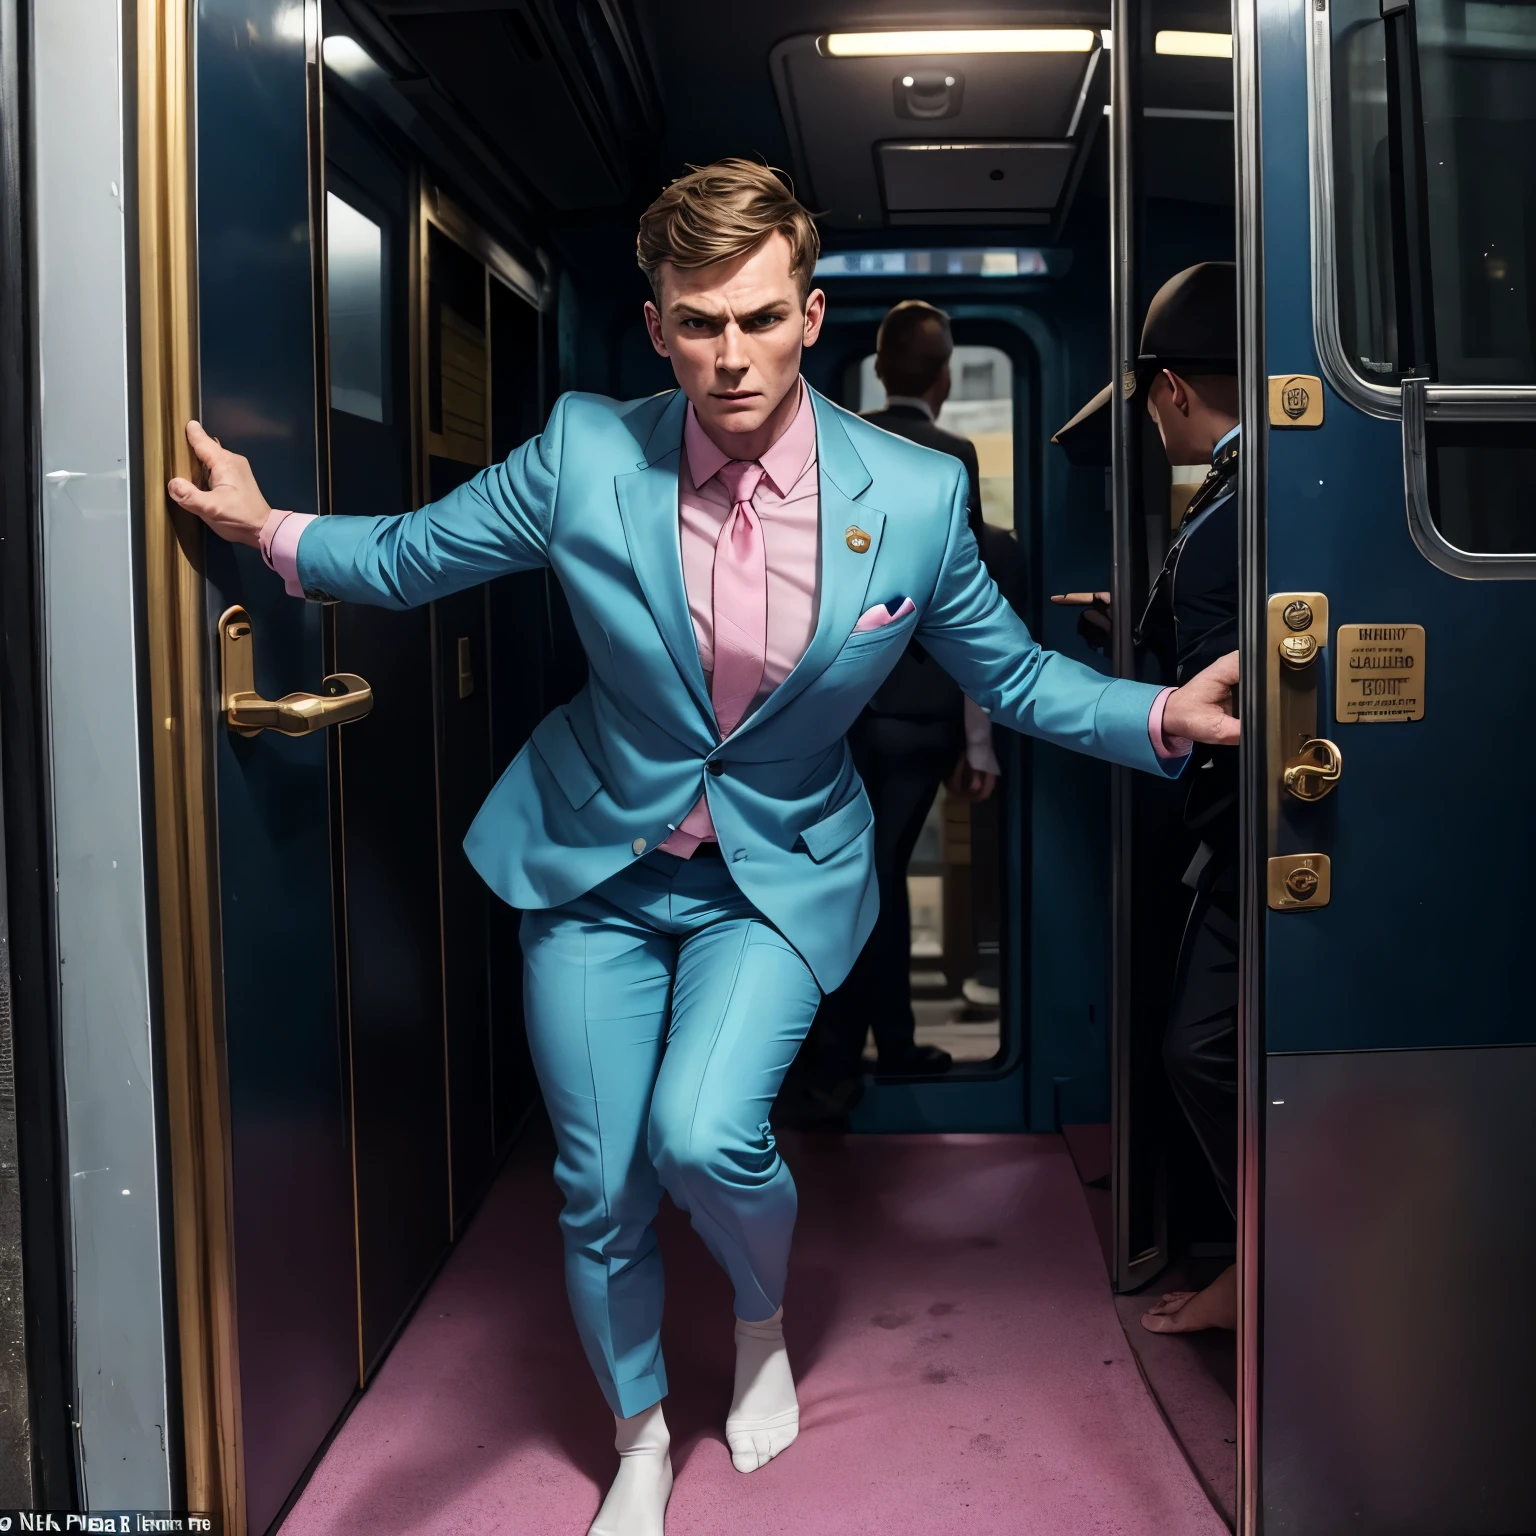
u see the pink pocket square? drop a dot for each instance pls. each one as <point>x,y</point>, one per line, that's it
<point>882,614</point>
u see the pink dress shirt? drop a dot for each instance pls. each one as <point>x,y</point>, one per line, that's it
<point>788,503</point>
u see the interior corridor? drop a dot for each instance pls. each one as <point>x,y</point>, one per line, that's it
<point>961,1367</point>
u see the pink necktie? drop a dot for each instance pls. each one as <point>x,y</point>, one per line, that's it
<point>740,592</point>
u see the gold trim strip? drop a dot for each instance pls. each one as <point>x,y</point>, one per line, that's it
<point>185,830</point>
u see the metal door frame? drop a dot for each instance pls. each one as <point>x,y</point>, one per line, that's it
<point>1253,805</point>
<point>1128,1270</point>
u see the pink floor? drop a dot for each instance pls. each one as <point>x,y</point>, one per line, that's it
<point>961,1370</point>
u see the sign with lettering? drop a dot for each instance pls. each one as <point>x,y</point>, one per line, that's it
<point>1381,672</point>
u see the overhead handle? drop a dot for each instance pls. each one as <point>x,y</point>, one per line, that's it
<point>344,696</point>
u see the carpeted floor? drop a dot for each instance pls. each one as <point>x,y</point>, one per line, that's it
<point>1192,1375</point>
<point>962,1370</point>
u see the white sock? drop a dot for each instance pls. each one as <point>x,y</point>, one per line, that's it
<point>637,1502</point>
<point>765,1413</point>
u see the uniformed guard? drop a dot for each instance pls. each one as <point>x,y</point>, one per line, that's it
<point>1187,374</point>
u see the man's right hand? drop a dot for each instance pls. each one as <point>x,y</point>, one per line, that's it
<point>233,505</point>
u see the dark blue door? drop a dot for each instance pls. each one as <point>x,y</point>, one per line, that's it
<point>295,1266</point>
<point>1389,276</point>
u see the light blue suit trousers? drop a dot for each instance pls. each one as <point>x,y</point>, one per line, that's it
<point>663,1012</point>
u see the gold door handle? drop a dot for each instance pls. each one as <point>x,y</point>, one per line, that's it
<point>345,697</point>
<point>1314,770</point>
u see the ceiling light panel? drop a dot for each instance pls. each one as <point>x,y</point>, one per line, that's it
<point>1195,45</point>
<point>865,45</point>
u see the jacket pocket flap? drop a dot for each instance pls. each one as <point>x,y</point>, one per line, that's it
<point>557,745</point>
<point>823,838</point>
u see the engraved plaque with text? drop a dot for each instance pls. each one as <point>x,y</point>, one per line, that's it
<point>1381,673</point>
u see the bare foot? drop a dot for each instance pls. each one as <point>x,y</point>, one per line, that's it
<point>1191,1311</point>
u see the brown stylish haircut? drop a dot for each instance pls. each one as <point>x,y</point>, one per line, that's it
<point>912,345</point>
<point>721,211</point>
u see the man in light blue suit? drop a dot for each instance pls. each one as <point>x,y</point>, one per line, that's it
<point>691,846</point>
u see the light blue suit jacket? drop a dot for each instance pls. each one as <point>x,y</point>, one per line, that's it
<point>606,777</point>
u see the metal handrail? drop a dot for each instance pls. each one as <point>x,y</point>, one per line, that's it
<point>1433,544</point>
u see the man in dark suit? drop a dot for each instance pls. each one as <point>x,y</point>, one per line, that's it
<point>918,732</point>
<point>912,352</point>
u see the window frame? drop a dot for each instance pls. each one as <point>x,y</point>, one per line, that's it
<point>1416,402</point>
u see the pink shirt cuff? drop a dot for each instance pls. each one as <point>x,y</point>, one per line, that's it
<point>1166,746</point>
<point>279,544</point>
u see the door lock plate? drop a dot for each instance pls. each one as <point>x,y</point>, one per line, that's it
<point>1300,880</point>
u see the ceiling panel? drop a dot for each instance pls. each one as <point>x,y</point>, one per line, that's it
<point>1018,108</point>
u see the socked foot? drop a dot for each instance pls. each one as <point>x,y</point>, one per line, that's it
<point>1191,1311</point>
<point>636,1504</point>
<point>765,1413</point>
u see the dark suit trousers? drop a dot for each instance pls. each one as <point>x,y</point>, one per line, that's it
<point>902,762</point>
<point>1200,1046</point>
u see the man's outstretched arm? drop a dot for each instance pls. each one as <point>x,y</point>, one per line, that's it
<point>970,630</point>
<point>496,523</point>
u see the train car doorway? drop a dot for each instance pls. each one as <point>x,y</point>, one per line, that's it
<point>312,1256</point>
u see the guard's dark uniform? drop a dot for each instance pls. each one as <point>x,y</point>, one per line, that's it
<point>1189,622</point>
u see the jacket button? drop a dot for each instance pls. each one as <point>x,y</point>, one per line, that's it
<point>638,846</point>
<point>715,766</point>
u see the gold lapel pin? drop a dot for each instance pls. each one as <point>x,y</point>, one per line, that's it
<point>858,541</point>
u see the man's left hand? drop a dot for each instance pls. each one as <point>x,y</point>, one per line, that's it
<point>973,784</point>
<point>1204,708</point>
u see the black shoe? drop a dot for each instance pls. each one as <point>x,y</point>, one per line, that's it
<point>915,1061</point>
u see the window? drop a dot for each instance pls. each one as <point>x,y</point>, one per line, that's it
<point>980,407</point>
<point>1012,261</point>
<point>954,883</point>
<point>354,257</point>
<point>1477,73</point>
<point>1471,496</point>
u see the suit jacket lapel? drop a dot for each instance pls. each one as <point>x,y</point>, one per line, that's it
<point>648,509</point>
<point>842,478</point>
